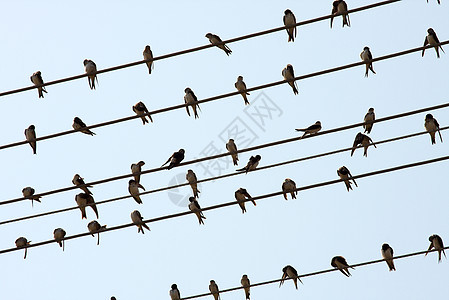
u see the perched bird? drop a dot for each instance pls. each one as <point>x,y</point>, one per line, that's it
<point>37,80</point>
<point>364,140</point>
<point>141,110</point>
<point>431,125</point>
<point>290,22</point>
<point>252,164</point>
<point>79,125</point>
<point>432,40</point>
<point>28,192</point>
<point>83,200</point>
<point>30,135</point>
<point>79,182</point>
<point>339,262</point>
<point>369,118</point>
<point>339,7</point>
<point>59,235</point>
<point>240,85</point>
<point>195,207</point>
<point>148,54</point>
<point>289,186</point>
<point>232,148</point>
<point>95,227</point>
<point>137,219</point>
<point>213,288</point>
<point>22,242</point>
<point>312,129</point>
<point>191,178</point>
<point>387,254</point>
<point>136,169</point>
<point>174,292</point>
<point>241,195</point>
<point>215,40</point>
<point>366,56</point>
<point>436,242</point>
<point>191,100</point>
<point>246,285</point>
<point>91,69</point>
<point>133,189</point>
<point>290,272</point>
<point>175,159</point>
<point>346,176</point>
<point>289,76</point>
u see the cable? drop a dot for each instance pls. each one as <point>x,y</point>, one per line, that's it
<point>194,49</point>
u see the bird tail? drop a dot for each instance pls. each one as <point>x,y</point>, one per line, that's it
<point>439,133</point>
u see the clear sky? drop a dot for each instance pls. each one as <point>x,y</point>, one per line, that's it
<point>402,208</point>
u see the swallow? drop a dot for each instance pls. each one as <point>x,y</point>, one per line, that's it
<point>59,235</point>
<point>387,254</point>
<point>366,56</point>
<point>290,24</point>
<point>289,186</point>
<point>22,242</point>
<point>241,195</point>
<point>83,200</point>
<point>289,76</point>
<point>436,242</point>
<point>191,100</point>
<point>141,110</point>
<point>30,135</point>
<point>312,129</point>
<point>28,192</point>
<point>432,40</point>
<point>133,189</point>
<point>369,119</point>
<point>175,159</point>
<point>232,148</point>
<point>37,80</point>
<point>213,288</point>
<point>174,292</point>
<point>191,178</point>
<point>137,219</point>
<point>339,7</point>
<point>240,85</point>
<point>195,207</point>
<point>346,176</point>
<point>431,125</point>
<point>290,272</point>
<point>79,182</point>
<point>91,69</point>
<point>215,40</point>
<point>79,125</point>
<point>136,169</point>
<point>95,227</point>
<point>364,140</point>
<point>252,164</point>
<point>148,55</point>
<point>339,262</point>
<point>246,285</point>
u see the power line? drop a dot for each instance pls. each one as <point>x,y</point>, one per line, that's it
<point>194,49</point>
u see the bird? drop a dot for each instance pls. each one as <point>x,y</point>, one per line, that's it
<point>174,292</point>
<point>289,186</point>
<point>191,178</point>
<point>91,69</point>
<point>366,56</point>
<point>339,262</point>
<point>30,135</point>
<point>136,169</point>
<point>232,148</point>
<point>215,40</point>
<point>79,125</point>
<point>432,40</point>
<point>240,85</point>
<point>191,100</point>
<point>147,55</point>
<point>83,200</point>
<point>346,176</point>
<point>290,272</point>
<point>195,207</point>
<point>387,254</point>
<point>290,22</point>
<point>133,189</point>
<point>141,110</point>
<point>431,125</point>
<point>175,159</point>
<point>369,119</point>
<point>59,235</point>
<point>241,195</point>
<point>37,80</point>
<point>289,75</point>
<point>246,285</point>
<point>95,227</point>
<point>22,242</point>
<point>312,129</point>
<point>213,288</point>
<point>252,164</point>
<point>364,140</point>
<point>436,242</point>
<point>28,192</point>
<point>79,182</point>
<point>137,219</point>
<point>339,7</point>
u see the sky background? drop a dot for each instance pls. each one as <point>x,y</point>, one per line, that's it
<point>401,208</point>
